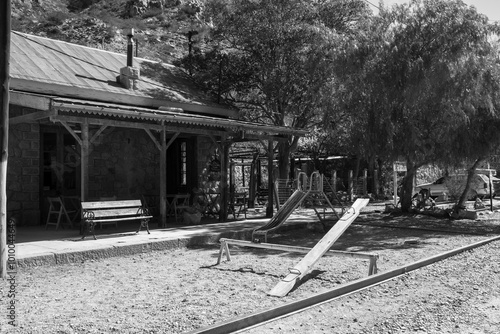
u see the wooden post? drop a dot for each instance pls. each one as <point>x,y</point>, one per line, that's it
<point>4,128</point>
<point>243,181</point>
<point>375,183</point>
<point>85,161</point>
<point>224,159</point>
<point>163,179</point>
<point>270,181</point>
<point>252,182</point>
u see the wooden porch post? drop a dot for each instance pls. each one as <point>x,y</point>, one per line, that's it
<point>163,179</point>
<point>4,129</point>
<point>224,158</point>
<point>85,161</point>
<point>270,181</point>
<point>252,182</point>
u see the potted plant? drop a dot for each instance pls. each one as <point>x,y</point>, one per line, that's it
<point>192,215</point>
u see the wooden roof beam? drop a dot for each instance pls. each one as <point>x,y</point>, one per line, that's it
<point>32,117</point>
<point>33,101</point>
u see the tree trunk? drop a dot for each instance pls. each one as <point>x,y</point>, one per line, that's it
<point>283,160</point>
<point>470,176</point>
<point>407,186</point>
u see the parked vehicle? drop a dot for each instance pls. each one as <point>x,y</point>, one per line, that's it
<point>448,186</point>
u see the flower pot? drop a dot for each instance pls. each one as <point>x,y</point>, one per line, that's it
<point>191,218</point>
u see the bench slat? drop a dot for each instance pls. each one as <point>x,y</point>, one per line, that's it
<point>111,204</point>
<point>114,212</point>
<point>121,219</point>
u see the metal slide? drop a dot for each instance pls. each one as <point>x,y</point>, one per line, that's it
<point>260,233</point>
<point>280,217</point>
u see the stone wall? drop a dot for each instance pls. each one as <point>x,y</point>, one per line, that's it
<point>124,163</point>
<point>23,170</point>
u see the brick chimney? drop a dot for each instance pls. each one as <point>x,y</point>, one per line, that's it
<point>129,74</point>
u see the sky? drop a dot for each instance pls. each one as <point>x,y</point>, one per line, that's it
<point>490,8</point>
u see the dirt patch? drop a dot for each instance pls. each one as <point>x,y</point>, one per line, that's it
<point>181,290</point>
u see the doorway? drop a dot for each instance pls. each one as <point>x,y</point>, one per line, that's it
<point>60,165</point>
<point>181,166</point>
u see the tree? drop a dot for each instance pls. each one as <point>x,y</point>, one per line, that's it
<point>272,59</point>
<point>477,137</point>
<point>404,82</point>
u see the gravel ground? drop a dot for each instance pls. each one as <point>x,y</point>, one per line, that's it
<point>181,290</point>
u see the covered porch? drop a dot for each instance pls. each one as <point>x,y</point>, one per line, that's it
<point>90,124</point>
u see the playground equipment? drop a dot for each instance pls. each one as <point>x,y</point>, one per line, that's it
<point>311,189</point>
<point>307,189</point>
<point>300,270</point>
<point>224,248</point>
<point>306,264</point>
<point>318,198</point>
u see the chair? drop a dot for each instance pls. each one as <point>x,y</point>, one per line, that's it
<point>57,211</point>
<point>238,204</point>
<point>180,203</point>
<point>72,204</point>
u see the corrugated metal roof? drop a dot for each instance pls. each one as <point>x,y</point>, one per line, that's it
<point>59,63</point>
<point>82,81</point>
<point>120,112</point>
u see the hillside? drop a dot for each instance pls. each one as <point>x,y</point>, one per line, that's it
<point>160,26</point>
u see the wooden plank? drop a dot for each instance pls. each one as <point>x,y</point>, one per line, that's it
<point>114,212</point>
<point>121,219</point>
<point>306,264</point>
<point>33,117</point>
<point>111,204</point>
<point>30,101</point>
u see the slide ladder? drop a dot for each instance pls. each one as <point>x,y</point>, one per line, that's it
<point>319,200</point>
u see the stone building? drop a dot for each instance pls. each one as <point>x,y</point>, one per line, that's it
<point>93,124</point>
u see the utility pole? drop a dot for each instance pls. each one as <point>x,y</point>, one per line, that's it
<point>4,128</point>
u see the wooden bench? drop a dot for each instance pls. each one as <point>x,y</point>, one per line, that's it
<point>112,212</point>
